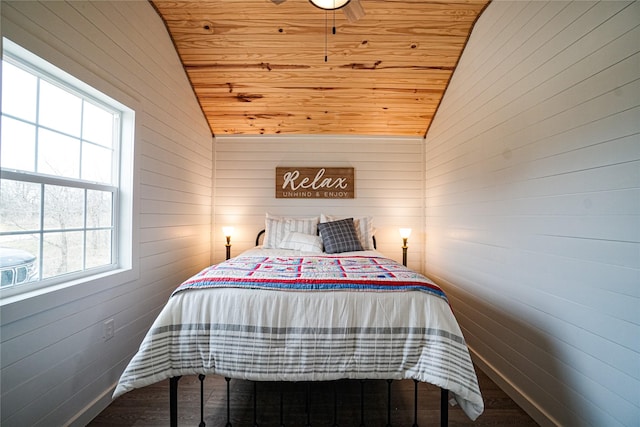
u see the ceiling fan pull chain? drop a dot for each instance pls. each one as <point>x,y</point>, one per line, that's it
<point>334,18</point>
<point>326,24</point>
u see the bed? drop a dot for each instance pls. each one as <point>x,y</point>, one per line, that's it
<point>303,312</point>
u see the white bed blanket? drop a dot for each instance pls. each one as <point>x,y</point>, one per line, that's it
<point>272,335</point>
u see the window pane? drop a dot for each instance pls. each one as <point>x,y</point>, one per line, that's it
<point>59,109</point>
<point>24,242</point>
<point>19,205</point>
<point>58,154</point>
<point>96,163</point>
<point>18,145</point>
<point>62,253</point>
<point>19,91</point>
<point>99,208</point>
<point>63,207</point>
<point>97,125</point>
<point>98,248</point>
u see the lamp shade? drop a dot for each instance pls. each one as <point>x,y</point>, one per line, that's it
<point>405,233</point>
<point>329,4</point>
<point>228,231</point>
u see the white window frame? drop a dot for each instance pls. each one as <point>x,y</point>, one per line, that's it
<point>122,267</point>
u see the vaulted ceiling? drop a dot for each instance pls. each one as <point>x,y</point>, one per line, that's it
<point>258,67</point>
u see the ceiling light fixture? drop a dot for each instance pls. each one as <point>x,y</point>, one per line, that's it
<point>329,4</point>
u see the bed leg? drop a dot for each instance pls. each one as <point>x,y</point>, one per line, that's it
<point>444,407</point>
<point>308,406</point>
<point>201,378</point>
<point>361,403</point>
<point>173,401</point>
<point>282,405</point>
<point>335,404</point>
<point>415,403</point>
<point>227,379</point>
<point>255,404</point>
<point>389,402</point>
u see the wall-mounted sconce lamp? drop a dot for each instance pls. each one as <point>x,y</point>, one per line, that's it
<point>228,231</point>
<point>404,233</point>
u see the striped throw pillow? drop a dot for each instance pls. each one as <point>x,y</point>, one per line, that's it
<point>301,242</point>
<point>277,227</point>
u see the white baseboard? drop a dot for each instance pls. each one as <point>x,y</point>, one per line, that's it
<point>89,412</point>
<point>538,414</point>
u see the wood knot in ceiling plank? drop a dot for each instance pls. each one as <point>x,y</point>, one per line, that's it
<point>248,97</point>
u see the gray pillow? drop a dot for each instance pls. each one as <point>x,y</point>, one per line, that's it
<point>339,236</point>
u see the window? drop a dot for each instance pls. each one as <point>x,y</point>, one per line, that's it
<point>60,187</point>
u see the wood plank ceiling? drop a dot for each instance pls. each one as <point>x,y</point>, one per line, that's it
<point>258,67</point>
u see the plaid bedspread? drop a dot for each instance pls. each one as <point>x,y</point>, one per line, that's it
<point>369,318</point>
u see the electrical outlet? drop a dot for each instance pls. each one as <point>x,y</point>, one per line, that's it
<point>109,329</point>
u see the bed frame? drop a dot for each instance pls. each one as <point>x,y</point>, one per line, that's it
<point>173,397</point>
<point>173,404</point>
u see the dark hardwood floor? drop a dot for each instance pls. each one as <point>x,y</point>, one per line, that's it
<point>149,406</point>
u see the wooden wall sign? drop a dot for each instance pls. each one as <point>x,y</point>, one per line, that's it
<point>314,183</point>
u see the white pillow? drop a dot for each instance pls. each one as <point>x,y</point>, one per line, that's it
<point>276,228</point>
<point>363,225</point>
<point>301,242</point>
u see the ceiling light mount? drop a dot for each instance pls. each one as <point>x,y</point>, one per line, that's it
<point>329,4</point>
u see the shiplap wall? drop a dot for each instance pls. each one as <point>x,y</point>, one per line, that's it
<point>389,186</point>
<point>56,368</point>
<point>533,205</point>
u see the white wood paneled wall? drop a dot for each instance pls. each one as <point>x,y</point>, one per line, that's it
<point>389,186</point>
<point>55,366</point>
<point>533,205</point>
